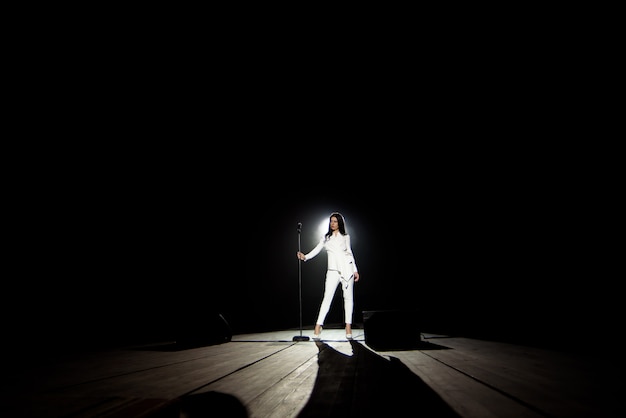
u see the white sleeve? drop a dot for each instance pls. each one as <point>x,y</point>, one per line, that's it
<point>315,251</point>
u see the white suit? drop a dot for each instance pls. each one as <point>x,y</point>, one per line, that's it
<point>341,269</point>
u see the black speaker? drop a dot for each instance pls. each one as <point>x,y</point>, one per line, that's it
<point>391,329</point>
<point>208,329</point>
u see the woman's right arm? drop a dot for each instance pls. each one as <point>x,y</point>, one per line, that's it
<point>315,251</point>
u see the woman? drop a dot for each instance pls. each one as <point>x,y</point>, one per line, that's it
<point>341,270</point>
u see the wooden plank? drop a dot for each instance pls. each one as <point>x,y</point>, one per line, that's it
<point>107,381</point>
<point>286,397</point>
<point>277,385</point>
<point>269,375</point>
<point>467,397</point>
<point>502,377</point>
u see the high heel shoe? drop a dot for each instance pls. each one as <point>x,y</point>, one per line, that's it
<point>317,336</point>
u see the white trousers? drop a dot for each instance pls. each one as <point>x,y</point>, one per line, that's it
<point>334,279</point>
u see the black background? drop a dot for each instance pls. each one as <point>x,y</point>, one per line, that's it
<point>133,247</point>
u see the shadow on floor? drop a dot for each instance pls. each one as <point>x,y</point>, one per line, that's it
<point>202,405</point>
<point>369,385</point>
<point>406,346</point>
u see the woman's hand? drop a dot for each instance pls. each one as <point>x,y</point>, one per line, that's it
<point>301,256</point>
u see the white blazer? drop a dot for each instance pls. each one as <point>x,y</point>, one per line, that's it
<point>340,257</point>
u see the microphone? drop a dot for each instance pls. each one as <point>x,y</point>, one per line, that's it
<point>299,226</point>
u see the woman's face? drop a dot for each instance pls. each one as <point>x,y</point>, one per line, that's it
<point>334,223</point>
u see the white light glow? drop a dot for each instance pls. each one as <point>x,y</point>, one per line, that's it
<point>323,227</point>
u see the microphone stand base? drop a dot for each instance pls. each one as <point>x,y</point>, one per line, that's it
<point>300,338</point>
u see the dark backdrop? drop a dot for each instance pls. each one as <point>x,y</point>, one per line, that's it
<point>134,250</point>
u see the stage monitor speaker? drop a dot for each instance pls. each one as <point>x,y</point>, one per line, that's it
<point>206,329</point>
<point>391,329</point>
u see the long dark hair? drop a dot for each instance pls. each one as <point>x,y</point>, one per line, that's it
<point>340,221</point>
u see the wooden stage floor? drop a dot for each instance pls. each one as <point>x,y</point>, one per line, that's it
<point>270,375</point>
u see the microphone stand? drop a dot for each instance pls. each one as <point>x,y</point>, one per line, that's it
<point>300,337</point>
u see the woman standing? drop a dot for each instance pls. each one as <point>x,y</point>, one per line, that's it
<point>341,270</point>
